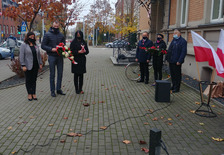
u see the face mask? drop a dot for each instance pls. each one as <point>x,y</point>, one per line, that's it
<point>56,30</point>
<point>175,36</point>
<point>159,39</point>
<point>79,38</point>
<point>31,40</point>
<point>144,38</point>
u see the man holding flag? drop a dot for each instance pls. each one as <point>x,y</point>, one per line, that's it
<point>175,56</point>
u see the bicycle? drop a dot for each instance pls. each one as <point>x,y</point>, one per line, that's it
<point>132,71</point>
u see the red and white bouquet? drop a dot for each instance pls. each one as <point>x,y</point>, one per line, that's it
<point>155,50</point>
<point>64,51</point>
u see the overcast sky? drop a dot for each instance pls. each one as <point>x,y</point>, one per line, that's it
<point>90,2</point>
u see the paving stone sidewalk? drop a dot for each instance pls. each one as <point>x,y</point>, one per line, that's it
<point>111,97</point>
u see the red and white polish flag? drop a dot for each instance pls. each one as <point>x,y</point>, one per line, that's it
<point>205,52</point>
<point>220,49</point>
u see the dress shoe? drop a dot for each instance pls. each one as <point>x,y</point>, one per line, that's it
<point>146,82</point>
<point>175,91</point>
<point>140,81</point>
<point>53,94</point>
<point>77,92</point>
<point>30,99</point>
<point>34,98</point>
<point>60,92</point>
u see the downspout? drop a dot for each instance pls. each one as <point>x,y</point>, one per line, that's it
<point>167,39</point>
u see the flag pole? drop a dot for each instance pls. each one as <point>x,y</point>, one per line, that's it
<point>199,77</point>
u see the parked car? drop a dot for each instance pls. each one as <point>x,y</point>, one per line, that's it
<point>109,45</point>
<point>117,43</point>
<point>19,43</point>
<point>4,53</point>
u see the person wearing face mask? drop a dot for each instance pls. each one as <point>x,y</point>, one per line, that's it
<point>31,62</point>
<point>51,40</point>
<point>79,49</point>
<point>143,57</point>
<point>158,58</point>
<point>175,56</point>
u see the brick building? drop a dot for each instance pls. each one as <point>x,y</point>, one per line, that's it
<point>7,25</point>
<point>203,16</point>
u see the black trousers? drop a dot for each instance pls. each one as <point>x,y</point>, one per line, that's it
<point>31,78</point>
<point>157,66</point>
<point>78,81</point>
<point>144,69</point>
<point>175,71</point>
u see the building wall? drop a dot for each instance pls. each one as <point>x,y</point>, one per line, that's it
<point>8,23</point>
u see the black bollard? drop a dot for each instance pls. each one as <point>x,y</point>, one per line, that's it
<point>154,142</point>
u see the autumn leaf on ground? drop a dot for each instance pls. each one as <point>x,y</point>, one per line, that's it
<point>75,141</point>
<point>162,117</point>
<point>143,92</point>
<point>146,123</point>
<point>106,88</point>
<point>19,122</point>
<point>213,106</point>
<point>192,111</point>
<point>72,134</point>
<point>169,119</point>
<point>50,124</point>
<point>101,102</point>
<point>70,129</point>
<point>169,123</point>
<point>155,119</point>
<point>31,117</point>
<point>150,110</point>
<point>197,103</point>
<point>65,117</point>
<point>14,152</point>
<point>145,150</point>
<point>79,135</point>
<point>199,131</point>
<point>62,141</point>
<point>103,127</point>
<point>102,84</point>
<point>20,116</point>
<point>126,141</point>
<point>57,131</point>
<point>10,128</point>
<point>87,119</point>
<point>218,139</point>
<point>142,142</point>
<point>86,104</point>
<point>177,115</point>
<point>122,89</point>
<point>93,103</point>
<point>202,124</point>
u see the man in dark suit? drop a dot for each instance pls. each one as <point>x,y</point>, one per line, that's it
<point>175,56</point>
<point>143,57</point>
<point>51,39</point>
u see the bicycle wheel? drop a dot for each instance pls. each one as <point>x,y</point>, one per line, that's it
<point>132,71</point>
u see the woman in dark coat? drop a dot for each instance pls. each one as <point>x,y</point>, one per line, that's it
<point>158,58</point>
<point>79,50</point>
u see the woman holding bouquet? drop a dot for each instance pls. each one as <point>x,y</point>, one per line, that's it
<point>158,57</point>
<point>79,50</point>
<point>31,62</point>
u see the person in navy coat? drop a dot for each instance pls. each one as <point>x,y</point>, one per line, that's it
<point>143,57</point>
<point>175,56</point>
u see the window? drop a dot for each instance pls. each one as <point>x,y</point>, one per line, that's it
<point>217,11</point>
<point>7,30</point>
<point>11,30</point>
<point>184,12</point>
<point>4,29</point>
<point>14,30</point>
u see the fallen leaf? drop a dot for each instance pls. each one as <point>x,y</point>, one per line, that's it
<point>31,117</point>
<point>50,124</point>
<point>218,139</point>
<point>86,104</point>
<point>106,88</point>
<point>20,116</point>
<point>19,122</point>
<point>202,124</point>
<point>87,119</point>
<point>80,135</point>
<point>150,110</point>
<point>213,106</point>
<point>102,84</point>
<point>192,111</point>
<point>75,141</point>
<point>62,141</point>
<point>103,127</point>
<point>70,129</point>
<point>94,103</point>
<point>57,131</point>
<point>145,150</point>
<point>143,92</point>
<point>197,103</point>
<point>65,117</point>
<point>126,141</point>
<point>146,123</point>
<point>10,128</point>
<point>122,89</point>
<point>72,134</point>
<point>142,142</point>
<point>199,131</point>
<point>162,117</point>
<point>181,119</point>
<point>170,123</point>
<point>101,102</point>
<point>14,152</point>
<point>169,119</point>
<point>148,91</point>
<point>155,119</point>
<point>177,115</point>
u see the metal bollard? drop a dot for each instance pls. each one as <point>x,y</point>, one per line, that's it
<point>154,142</point>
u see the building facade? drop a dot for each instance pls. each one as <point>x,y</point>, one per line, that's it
<point>7,25</point>
<point>202,16</point>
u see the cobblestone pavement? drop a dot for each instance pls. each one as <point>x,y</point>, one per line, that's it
<point>111,97</point>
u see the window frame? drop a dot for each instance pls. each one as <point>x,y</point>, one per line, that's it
<point>186,13</point>
<point>220,18</point>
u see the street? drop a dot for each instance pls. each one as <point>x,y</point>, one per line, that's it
<point>109,118</point>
